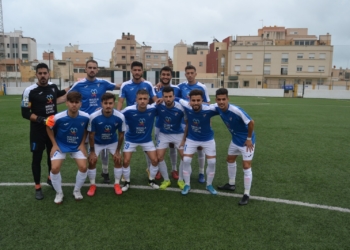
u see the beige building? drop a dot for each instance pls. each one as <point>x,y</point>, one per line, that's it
<point>279,56</point>
<point>152,60</point>
<point>195,55</point>
<point>123,52</point>
<point>72,55</point>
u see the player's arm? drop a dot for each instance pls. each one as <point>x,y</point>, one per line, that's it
<point>51,135</point>
<point>117,86</point>
<point>249,142</point>
<point>92,156</point>
<point>120,103</point>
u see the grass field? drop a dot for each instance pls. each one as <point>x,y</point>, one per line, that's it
<point>301,161</point>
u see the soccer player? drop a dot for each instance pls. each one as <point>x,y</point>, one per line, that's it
<point>199,133</point>
<point>67,134</point>
<point>241,127</point>
<point>186,88</point>
<point>92,89</point>
<point>170,115</point>
<point>165,81</point>
<point>140,120</point>
<point>102,136</point>
<point>39,101</point>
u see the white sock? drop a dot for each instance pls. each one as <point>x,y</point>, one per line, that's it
<point>56,180</point>
<point>232,169</point>
<point>248,178</point>
<point>163,170</point>
<point>181,174</point>
<point>148,160</point>
<point>201,161</point>
<point>211,170</point>
<point>173,158</point>
<point>79,180</point>
<point>126,173</point>
<point>104,159</point>
<point>92,175</point>
<point>117,175</point>
<point>153,170</point>
<point>187,169</point>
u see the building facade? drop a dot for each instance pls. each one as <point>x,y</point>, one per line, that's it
<point>152,60</point>
<point>123,52</point>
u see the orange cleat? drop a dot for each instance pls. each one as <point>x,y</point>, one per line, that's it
<point>117,189</point>
<point>92,190</point>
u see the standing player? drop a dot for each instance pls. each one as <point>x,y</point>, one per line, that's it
<point>140,120</point>
<point>92,89</point>
<point>68,135</point>
<point>186,88</point>
<point>241,126</point>
<point>38,102</point>
<point>102,136</point>
<point>199,134</point>
<point>170,115</point>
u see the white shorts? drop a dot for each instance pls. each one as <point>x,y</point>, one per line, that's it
<point>109,147</point>
<point>233,149</point>
<point>209,147</point>
<point>131,147</point>
<point>61,156</point>
<point>156,133</point>
<point>165,139</point>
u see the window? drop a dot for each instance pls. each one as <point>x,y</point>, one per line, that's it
<point>155,64</point>
<point>132,48</point>
<point>14,55</point>
<point>267,58</point>
<point>123,57</point>
<point>24,47</point>
<point>8,55</point>
<point>77,59</point>
<point>148,56</point>
<point>322,56</point>
<point>237,55</point>
<point>245,83</point>
<point>311,55</point>
<point>310,69</point>
<point>188,63</point>
<point>8,45</point>
<point>284,57</point>
<point>266,70</point>
<point>132,57</point>
<point>249,67</point>
<point>284,70</point>
<point>163,64</point>
<point>299,68</point>
<point>237,68</point>
<point>75,70</point>
<point>155,56</point>
<point>300,56</point>
<point>321,68</point>
<point>308,82</point>
<point>163,58</point>
<point>200,64</point>
<point>259,82</point>
<point>123,48</point>
<point>249,55</point>
<point>123,66</point>
<point>25,56</point>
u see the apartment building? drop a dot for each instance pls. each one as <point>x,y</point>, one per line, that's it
<point>277,57</point>
<point>124,52</point>
<point>195,54</point>
<point>217,56</point>
<point>152,60</point>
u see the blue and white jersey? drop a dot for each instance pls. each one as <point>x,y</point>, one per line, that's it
<point>236,121</point>
<point>129,89</point>
<point>177,91</point>
<point>105,127</point>
<point>92,92</point>
<point>69,132</point>
<point>169,119</point>
<point>140,123</point>
<point>186,88</point>
<point>199,128</point>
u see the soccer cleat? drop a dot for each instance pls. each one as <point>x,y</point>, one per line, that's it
<point>49,182</point>
<point>153,184</point>
<point>106,178</point>
<point>126,186</point>
<point>244,200</point>
<point>92,190</point>
<point>77,195</point>
<point>227,186</point>
<point>181,184</point>
<point>117,189</point>
<point>175,175</point>
<point>148,173</point>
<point>201,178</point>
<point>211,189</point>
<point>164,185</point>
<point>39,194</point>
<point>158,176</point>
<point>185,190</point>
<point>58,198</point>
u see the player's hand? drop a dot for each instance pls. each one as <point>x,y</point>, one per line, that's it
<point>117,158</point>
<point>249,145</point>
<point>159,101</point>
<point>92,158</point>
<point>54,149</point>
<point>158,86</point>
<point>50,121</point>
<point>83,149</point>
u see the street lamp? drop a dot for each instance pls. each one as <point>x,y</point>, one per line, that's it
<point>222,81</point>
<point>50,52</point>
<point>320,70</point>
<point>68,60</point>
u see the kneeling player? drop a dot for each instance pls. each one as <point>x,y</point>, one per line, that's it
<point>102,136</point>
<point>69,137</point>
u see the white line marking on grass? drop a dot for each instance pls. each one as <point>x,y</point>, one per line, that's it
<point>197,191</point>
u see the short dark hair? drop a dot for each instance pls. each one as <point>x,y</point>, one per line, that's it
<point>196,92</point>
<point>222,91</point>
<point>41,66</point>
<point>142,92</point>
<point>166,68</point>
<point>90,61</point>
<point>190,67</point>
<point>74,96</point>
<point>136,64</point>
<point>167,89</point>
<point>106,96</point>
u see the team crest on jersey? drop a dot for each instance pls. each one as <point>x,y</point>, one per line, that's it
<point>73,131</point>
<point>176,113</point>
<point>82,124</point>
<point>195,122</point>
<point>204,115</point>
<point>108,128</point>
<point>49,98</point>
<point>167,119</point>
<point>94,92</point>
<point>142,122</point>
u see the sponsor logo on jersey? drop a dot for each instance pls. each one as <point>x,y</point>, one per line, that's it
<point>82,124</point>
<point>73,131</point>
<point>204,115</point>
<point>176,113</point>
<point>116,124</point>
<point>93,92</point>
<point>100,123</point>
<point>168,119</point>
<point>98,85</point>
<point>131,89</point>
<point>49,98</point>
<point>40,93</point>
<point>65,124</point>
<point>108,128</point>
<point>142,122</point>
<point>195,122</point>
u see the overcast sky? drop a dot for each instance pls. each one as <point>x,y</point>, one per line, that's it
<point>95,25</point>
